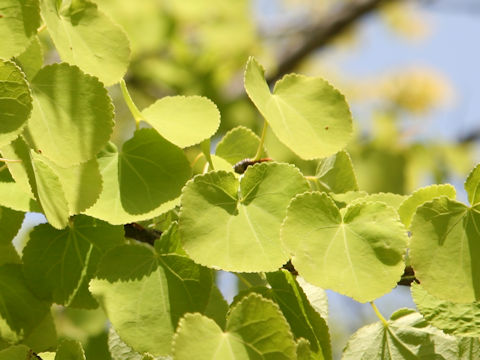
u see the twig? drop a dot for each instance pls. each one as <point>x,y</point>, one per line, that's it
<point>324,31</point>
<point>139,233</point>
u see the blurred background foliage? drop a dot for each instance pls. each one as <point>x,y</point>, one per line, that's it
<point>201,47</point>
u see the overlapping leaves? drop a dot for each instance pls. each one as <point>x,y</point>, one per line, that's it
<point>238,221</point>
<point>144,294</point>
<point>255,329</point>
<point>444,246</point>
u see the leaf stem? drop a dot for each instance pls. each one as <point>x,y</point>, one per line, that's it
<point>10,160</point>
<point>258,155</point>
<point>137,115</point>
<point>379,315</point>
<point>205,145</point>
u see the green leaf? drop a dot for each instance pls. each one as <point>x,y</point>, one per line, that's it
<point>256,329</point>
<point>307,114</point>
<point>406,337</point>
<point>303,350</point>
<point>70,350</point>
<point>21,312</point>
<point>21,170</point>
<point>234,224</point>
<point>304,321</point>
<point>390,199</point>
<point>144,294</point>
<point>169,242</point>
<point>444,249</point>
<point>469,348</point>
<point>31,60</point>
<point>14,197</point>
<point>139,181</point>
<point>58,264</point>
<point>82,184</point>
<point>49,192</point>
<point>86,37</point>
<point>16,352</point>
<point>472,185</point>
<point>238,144</point>
<point>183,120</point>
<point>316,296</point>
<point>72,116</point>
<point>335,174</point>
<point>357,252</point>
<point>452,318</point>
<point>15,99</point>
<point>10,223</point>
<point>217,307</point>
<point>20,20</point>
<point>409,205</point>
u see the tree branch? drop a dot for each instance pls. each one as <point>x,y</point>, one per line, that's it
<point>323,32</point>
<point>139,233</point>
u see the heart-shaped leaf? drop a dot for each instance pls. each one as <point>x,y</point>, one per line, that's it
<point>307,114</point>
<point>357,251</point>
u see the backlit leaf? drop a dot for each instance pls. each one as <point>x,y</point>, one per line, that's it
<point>472,185</point>
<point>336,174</point>
<point>357,252</point>
<point>184,121</point>
<point>86,37</point>
<point>307,114</point>
<point>255,329</point>
<point>238,221</point>
<point>238,144</point>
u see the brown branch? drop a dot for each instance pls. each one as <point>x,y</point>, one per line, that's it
<point>139,233</point>
<point>324,31</point>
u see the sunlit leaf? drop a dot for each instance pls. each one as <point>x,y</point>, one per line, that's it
<point>86,37</point>
<point>31,60</point>
<point>238,144</point>
<point>307,114</point>
<point>15,99</point>
<point>235,225</point>
<point>336,174</point>
<point>255,329</point>
<point>72,116</point>
<point>184,121</point>
<point>144,294</point>
<point>357,252</point>
<point>20,20</point>
<point>472,185</point>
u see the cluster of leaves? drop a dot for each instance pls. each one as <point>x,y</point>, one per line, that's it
<point>161,301</point>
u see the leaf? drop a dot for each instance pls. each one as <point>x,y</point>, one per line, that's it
<point>307,114</point>
<point>139,181</point>
<point>256,329</point>
<point>238,144</point>
<point>407,336</point>
<point>234,224</point>
<point>70,350</point>
<point>169,242</point>
<point>82,184</point>
<point>20,20</point>
<point>304,321</point>
<point>21,311</point>
<point>409,205</point>
<point>10,223</point>
<point>86,37</point>
<point>472,185</point>
<point>469,348</point>
<point>452,318</point>
<point>444,249</point>
<point>15,98</point>
<point>14,197</point>
<point>16,352</point>
<point>336,174</point>
<point>357,252</point>
<point>390,199</point>
<point>183,120</point>
<point>49,192</point>
<point>72,116</point>
<point>316,296</point>
<point>303,350</point>
<point>217,307</point>
<point>21,170</point>
<point>144,294</point>
<point>31,60</point>
<point>58,264</point>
